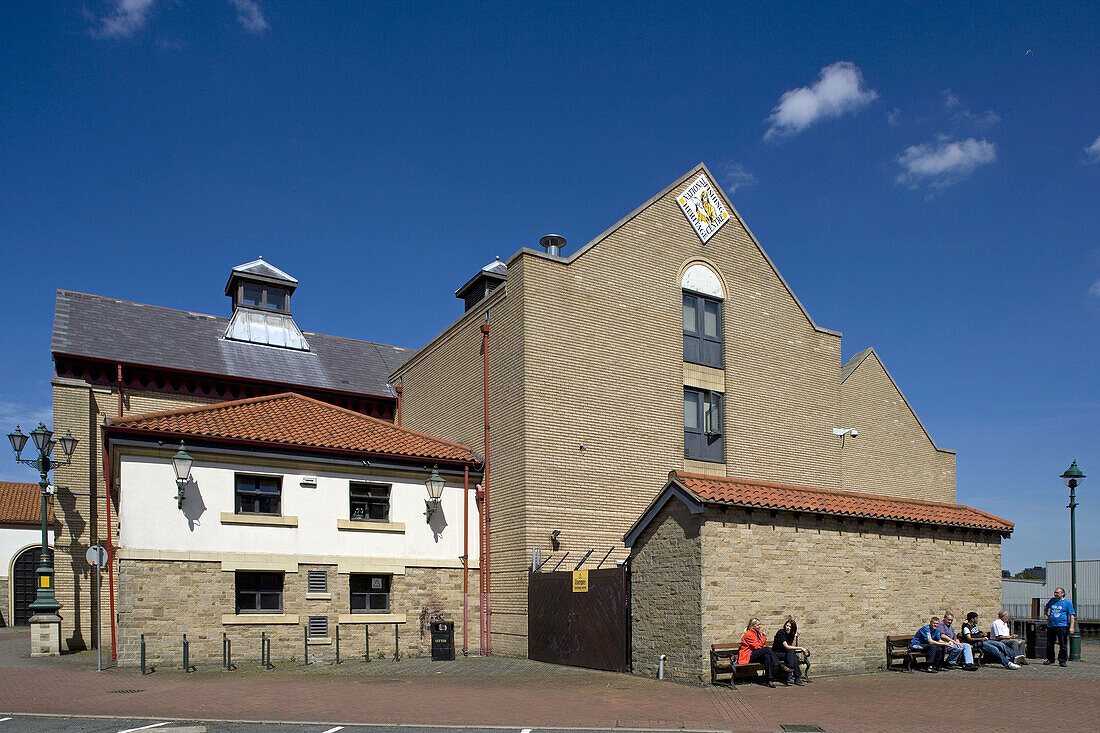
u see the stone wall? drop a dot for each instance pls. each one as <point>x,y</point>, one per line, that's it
<point>847,582</point>
<point>165,599</point>
<point>665,591</point>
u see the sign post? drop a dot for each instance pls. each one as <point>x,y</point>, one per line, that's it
<point>97,558</point>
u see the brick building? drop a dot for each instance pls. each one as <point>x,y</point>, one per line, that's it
<point>668,343</point>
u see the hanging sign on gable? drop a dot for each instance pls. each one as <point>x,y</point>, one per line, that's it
<point>703,207</point>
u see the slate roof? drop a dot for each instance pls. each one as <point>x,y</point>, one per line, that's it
<point>22,504</point>
<point>766,495</point>
<point>290,419</point>
<point>111,330</point>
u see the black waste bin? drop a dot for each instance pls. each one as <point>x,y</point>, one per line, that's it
<point>1030,634</point>
<point>443,641</point>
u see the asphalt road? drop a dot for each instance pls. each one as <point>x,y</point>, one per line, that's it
<point>52,724</point>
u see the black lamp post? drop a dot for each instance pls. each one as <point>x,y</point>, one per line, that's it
<point>1073,478</point>
<point>45,604</point>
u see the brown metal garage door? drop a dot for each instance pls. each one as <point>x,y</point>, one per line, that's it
<point>589,629</point>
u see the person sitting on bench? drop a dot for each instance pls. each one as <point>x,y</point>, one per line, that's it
<point>754,649</point>
<point>971,634</point>
<point>928,639</point>
<point>957,647</point>
<point>784,646</point>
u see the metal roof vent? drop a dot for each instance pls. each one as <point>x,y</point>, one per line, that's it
<point>553,244</point>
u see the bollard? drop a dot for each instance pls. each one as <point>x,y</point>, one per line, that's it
<point>396,649</point>
<point>337,643</point>
<point>186,647</point>
<point>305,643</point>
<point>227,652</point>
<point>366,640</point>
<point>263,649</point>
<point>661,667</point>
<point>143,654</point>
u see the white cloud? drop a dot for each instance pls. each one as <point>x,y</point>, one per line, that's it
<point>123,18</point>
<point>1095,289</point>
<point>1093,151</point>
<point>249,16</point>
<point>736,177</point>
<point>838,90</point>
<point>26,416</point>
<point>892,116</point>
<point>949,99</point>
<point>981,121</point>
<point>943,162</point>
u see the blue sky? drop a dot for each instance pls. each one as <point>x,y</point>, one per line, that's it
<point>926,177</point>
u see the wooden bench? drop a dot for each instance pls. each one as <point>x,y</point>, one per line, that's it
<point>898,648</point>
<point>723,661</point>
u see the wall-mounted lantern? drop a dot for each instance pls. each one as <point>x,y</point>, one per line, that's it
<point>181,464</point>
<point>434,483</point>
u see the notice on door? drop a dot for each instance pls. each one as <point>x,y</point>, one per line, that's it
<point>580,581</point>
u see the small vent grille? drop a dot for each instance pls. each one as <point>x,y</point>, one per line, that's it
<point>317,581</point>
<point>125,692</point>
<point>318,626</point>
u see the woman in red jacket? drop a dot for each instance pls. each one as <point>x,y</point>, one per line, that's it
<point>754,648</point>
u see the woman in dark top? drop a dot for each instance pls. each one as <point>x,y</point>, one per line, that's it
<point>786,648</point>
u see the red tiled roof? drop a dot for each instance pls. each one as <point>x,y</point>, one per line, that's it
<point>22,504</point>
<point>718,490</point>
<point>294,420</point>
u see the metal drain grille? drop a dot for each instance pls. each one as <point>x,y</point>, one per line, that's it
<point>125,692</point>
<point>802,729</point>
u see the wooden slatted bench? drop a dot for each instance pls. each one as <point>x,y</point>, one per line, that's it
<point>898,648</point>
<point>723,662</point>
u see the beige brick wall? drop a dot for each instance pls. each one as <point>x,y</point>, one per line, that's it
<point>165,599</point>
<point>848,584</point>
<point>79,503</point>
<point>590,352</point>
<point>893,454</point>
<point>666,596</point>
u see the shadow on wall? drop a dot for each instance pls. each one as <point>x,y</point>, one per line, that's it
<point>193,504</point>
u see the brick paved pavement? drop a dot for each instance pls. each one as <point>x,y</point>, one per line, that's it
<point>520,693</point>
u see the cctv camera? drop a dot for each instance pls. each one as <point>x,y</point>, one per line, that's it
<point>854,432</point>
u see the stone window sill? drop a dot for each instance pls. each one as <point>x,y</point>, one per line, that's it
<point>257,619</point>
<point>318,596</point>
<point>259,519</point>
<point>367,525</point>
<point>318,641</point>
<point>371,618</point>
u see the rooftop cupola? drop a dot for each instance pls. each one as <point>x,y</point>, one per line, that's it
<point>482,285</point>
<point>261,306</point>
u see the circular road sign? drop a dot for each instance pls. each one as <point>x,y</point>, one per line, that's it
<point>96,555</point>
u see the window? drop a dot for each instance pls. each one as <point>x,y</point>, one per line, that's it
<point>370,593</point>
<point>318,627</point>
<point>317,581</point>
<point>259,592</point>
<point>703,425</point>
<point>258,494</point>
<point>702,330</point>
<point>370,501</point>
<point>270,297</point>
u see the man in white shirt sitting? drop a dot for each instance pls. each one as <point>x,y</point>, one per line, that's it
<point>1000,632</point>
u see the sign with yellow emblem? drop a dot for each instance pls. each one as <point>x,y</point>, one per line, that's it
<point>580,581</point>
<point>703,207</point>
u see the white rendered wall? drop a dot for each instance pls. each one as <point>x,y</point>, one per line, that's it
<point>150,520</point>
<point>15,540</point>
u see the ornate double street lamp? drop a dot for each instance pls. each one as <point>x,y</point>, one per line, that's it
<point>45,623</point>
<point>1073,478</point>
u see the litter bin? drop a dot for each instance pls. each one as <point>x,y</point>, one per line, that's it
<point>443,641</point>
<point>1030,636</point>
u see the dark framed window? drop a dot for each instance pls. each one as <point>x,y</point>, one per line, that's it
<point>370,501</point>
<point>370,593</point>
<point>259,592</point>
<point>703,425</point>
<point>270,297</point>
<point>258,494</point>
<point>702,330</point>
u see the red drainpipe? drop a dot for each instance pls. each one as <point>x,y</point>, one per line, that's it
<point>465,550</point>
<point>120,390</point>
<point>110,546</point>
<point>479,497</point>
<point>485,484</point>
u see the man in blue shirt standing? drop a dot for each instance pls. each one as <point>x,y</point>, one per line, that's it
<point>1060,620</point>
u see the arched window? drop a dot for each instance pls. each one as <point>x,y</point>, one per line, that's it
<point>703,297</point>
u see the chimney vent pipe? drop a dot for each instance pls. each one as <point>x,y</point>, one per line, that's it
<point>553,244</point>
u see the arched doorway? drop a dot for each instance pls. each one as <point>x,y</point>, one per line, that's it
<point>24,581</point>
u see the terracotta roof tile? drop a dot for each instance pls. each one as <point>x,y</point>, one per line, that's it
<point>22,504</point>
<point>294,420</point>
<point>715,490</point>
